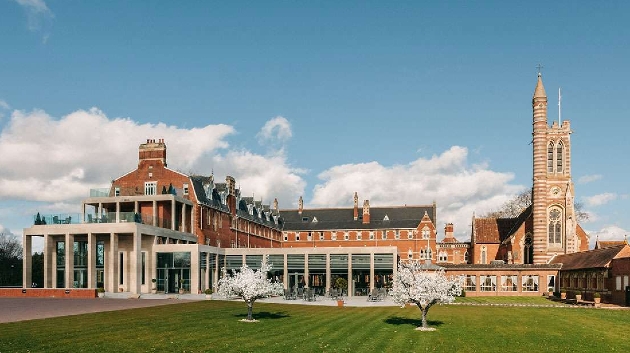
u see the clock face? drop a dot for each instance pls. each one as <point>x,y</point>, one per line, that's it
<point>555,191</point>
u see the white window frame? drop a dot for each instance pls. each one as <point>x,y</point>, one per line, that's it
<point>150,188</point>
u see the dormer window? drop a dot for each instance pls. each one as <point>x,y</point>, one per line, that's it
<point>185,189</point>
<point>314,220</point>
<point>304,219</point>
<point>386,218</point>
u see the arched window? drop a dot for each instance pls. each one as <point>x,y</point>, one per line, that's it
<point>466,257</point>
<point>550,158</point>
<point>484,255</point>
<point>559,158</point>
<point>528,249</point>
<point>555,226</point>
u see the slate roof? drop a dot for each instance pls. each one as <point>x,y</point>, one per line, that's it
<point>496,230</point>
<point>343,218</point>
<point>198,183</point>
<point>597,258</point>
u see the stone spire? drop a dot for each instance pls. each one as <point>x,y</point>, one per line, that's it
<point>539,92</point>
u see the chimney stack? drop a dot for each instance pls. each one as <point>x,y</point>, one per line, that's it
<point>448,231</point>
<point>152,151</point>
<point>356,206</point>
<point>275,205</point>
<point>300,205</point>
<point>366,211</point>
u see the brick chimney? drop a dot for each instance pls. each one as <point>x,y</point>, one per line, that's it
<point>231,197</point>
<point>366,211</point>
<point>300,205</point>
<point>152,150</point>
<point>356,206</point>
<point>448,231</point>
<point>275,206</point>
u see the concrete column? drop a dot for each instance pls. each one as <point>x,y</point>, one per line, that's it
<point>69,272</point>
<point>135,264</point>
<point>154,214</point>
<point>91,270</point>
<point>371,271</point>
<point>192,219</point>
<point>183,222</point>
<point>173,215</point>
<point>208,269</point>
<point>53,261</point>
<point>99,211</point>
<point>112,268</point>
<point>306,279</point>
<point>350,284</point>
<point>328,284</point>
<point>47,262</point>
<point>27,263</point>
<point>286,273</point>
<point>194,271</point>
<point>117,211</point>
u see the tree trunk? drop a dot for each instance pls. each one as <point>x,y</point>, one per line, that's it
<point>250,310</point>
<point>425,310</point>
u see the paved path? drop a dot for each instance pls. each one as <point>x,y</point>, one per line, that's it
<point>19,309</point>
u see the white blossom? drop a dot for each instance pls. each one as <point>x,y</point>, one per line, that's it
<point>250,285</point>
<point>415,284</point>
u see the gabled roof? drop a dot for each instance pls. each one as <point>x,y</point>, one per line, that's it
<point>497,230</point>
<point>600,244</point>
<point>598,258</point>
<point>343,218</point>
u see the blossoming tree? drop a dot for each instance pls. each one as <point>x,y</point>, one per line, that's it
<point>415,284</point>
<point>249,285</point>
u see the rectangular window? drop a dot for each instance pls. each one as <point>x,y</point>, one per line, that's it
<point>185,189</point>
<point>150,187</point>
<point>144,267</point>
<point>120,268</point>
<point>625,282</point>
<point>309,237</point>
<point>286,238</point>
<point>509,283</point>
<point>117,191</point>
<point>618,283</point>
<point>488,283</point>
<point>321,235</point>
<point>551,283</point>
<point>530,283</point>
<point>470,283</point>
<point>297,237</point>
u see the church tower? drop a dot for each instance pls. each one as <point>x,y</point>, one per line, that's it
<point>554,223</point>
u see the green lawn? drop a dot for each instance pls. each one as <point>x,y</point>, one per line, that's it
<point>214,326</point>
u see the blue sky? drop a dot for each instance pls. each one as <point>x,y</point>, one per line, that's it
<point>404,103</point>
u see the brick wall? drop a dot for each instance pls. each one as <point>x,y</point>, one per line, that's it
<point>48,293</point>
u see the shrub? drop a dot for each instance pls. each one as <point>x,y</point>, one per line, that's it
<point>597,295</point>
<point>207,291</point>
<point>463,294</point>
<point>100,290</point>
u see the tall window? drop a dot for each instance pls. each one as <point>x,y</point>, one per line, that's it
<point>488,283</point>
<point>555,226</point>
<point>528,249</point>
<point>509,283</point>
<point>550,157</point>
<point>470,283</point>
<point>150,188</point>
<point>530,283</point>
<point>425,233</point>
<point>484,255</point>
<point>559,159</point>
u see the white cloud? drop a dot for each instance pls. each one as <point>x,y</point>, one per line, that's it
<point>458,189</point>
<point>610,232</point>
<point>4,105</point>
<point>57,161</point>
<point>275,129</point>
<point>39,16</point>
<point>600,199</point>
<point>589,178</point>
<point>45,159</point>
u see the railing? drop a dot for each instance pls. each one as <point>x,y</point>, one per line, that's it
<point>60,218</point>
<point>123,217</point>
<point>133,191</point>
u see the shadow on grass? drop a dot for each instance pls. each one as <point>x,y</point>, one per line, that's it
<point>395,320</point>
<point>265,315</point>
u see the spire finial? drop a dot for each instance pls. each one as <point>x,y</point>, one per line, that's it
<point>539,67</point>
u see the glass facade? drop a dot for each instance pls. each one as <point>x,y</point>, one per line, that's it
<point>173,271</point>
